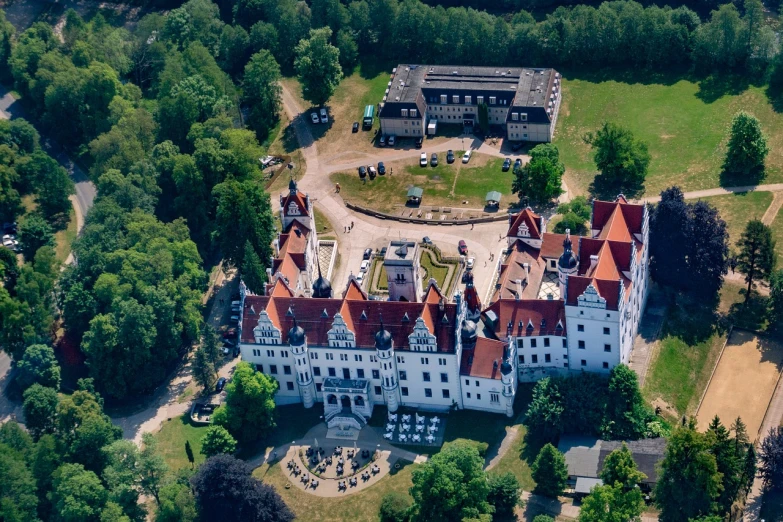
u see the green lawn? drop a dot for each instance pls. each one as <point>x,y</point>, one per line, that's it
<point>684,124</point>
<point>171,441</point>
<point>737,209</point>
<point>433,270</point>
<point>444,185</point>
<point>518,460</point>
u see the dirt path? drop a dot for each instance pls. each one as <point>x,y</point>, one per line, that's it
<point>772,210</point>
<point>722,191</point>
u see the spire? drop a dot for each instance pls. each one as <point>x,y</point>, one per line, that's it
<point>567,261</point>
<point>292,186</point>
<point>567,241</point>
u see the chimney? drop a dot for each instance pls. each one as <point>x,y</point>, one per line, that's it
<point>549,296</point>
<point>519,288</point>
<point>277,246</point>
<point>593,261</point>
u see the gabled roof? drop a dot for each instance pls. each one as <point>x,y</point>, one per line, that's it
<point>616,213</point>
<point>544,316</point>
<point>299,199</point>
<point>480,361</point>
<point>552,245</point>
<point>529,219</point>
<point>607,289</point>
<point>513,269</point>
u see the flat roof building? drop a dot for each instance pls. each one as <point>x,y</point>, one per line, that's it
<point>523,101</point>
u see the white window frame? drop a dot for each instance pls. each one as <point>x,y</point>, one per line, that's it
<point>523,116</point>
<point>479,100</point>
<point>444,98</point>
<point>414,113</point>
<point>515,116</point>
<point>455,98</point>
<point>404,113</point>
<point>468,99</point>
<point>492,100</point>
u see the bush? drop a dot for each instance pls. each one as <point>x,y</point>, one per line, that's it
<point>543,518</point>
<point>395,507</point>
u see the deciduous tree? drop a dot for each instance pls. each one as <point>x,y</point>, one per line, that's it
<point>621,158</point>
<point>575,214</point>
<point>34,233</point>
<point>262,92</point>
<point>550,472</point>
<point>77,494</point>
<point>317,65</point>
<point>503,493</point>
<point>40,409</point>
<point>38,365</point>
<point>248,413</point>
<point>540,179</point>
<point>217,440</point>
<point>395,507</point>
<point>177,504</point>
<point>204,370</point>
<point>747,149</point>
<point>770,459</point>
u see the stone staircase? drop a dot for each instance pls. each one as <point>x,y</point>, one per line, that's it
<point>345,418</point>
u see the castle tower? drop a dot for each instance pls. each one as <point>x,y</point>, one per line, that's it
<point>507,380</point>
<point>402,271</point>
<point>297,340</point>
<point>384,347</point>
<point>472,301</point>
<point>567,264</point>
<point>322,288</point>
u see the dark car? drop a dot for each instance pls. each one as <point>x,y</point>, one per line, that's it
<point>362,172</point>
<point>383,252</point>
<point>367,253</point>
<point>462,247</point>
<point>517,164</point>
<point>516,146</point>
<point>382,141</point>
<point>450,156</point>
<point>506,164</point>
<point>381,168</point>
<point>221,383</point>
<point>426,240</point>
<point>9,228</point>
<point>230,333</point>
<point>419,142</point>
<point>434,160</point>
<point>355,127</point>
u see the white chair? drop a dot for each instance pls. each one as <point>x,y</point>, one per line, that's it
<point>388,436</point>
<point>419,428</point>
<point>430,439</point>
<point>419,419</point>
<point>416,438</point>
<point>393,417</point>
<point>403,437</point>
<point>406,427</point>
<point>390,427</point>
<point>435,420</point>
<point>406,418</point>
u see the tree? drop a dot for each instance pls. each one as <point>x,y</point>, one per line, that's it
<point>51,184</point>
<point>550,472</point>
<point>217,440</point>
<point>34,233</point>
<point>620,468</point>
<point>707,249</point>
<point>627,414</point>
<point>248,413</point>
<point>177,504</point>
<point>575,214</point>
<point>621,158</point>
<point>543,518</point>
<point>244,213</point>
<point>612,504</point>
<point>689,482</point>
<point>225,490</point>
<point>541,178</point>
<point>546,410</point>
<point>204,370</point>
<point>262,92</point>
<point>504,493</point>
<point>77,494</point>
<point>38,365</point>
<point>189,453</point>
<point>40,409</point>
<point>253,272</point>
<point>19,500</point>
<point>452,485</point>
<point>317,65</point>
<point>757,253</point>
<point>747,148</point>
<point>395,507</point>
<point>770,458</point>
<point>349,50</point>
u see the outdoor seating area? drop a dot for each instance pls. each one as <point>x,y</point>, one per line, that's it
<point>414,429</point>
<point>340,462</point>
<point>201,414</point>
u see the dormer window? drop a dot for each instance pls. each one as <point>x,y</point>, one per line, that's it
<point>444,98</point>
<point>523,230</point>
<point>492,100</point>
<point>479,99</point>
<point>515,116</point>
<point>523,116</point>
<point>455,98</point>
<point>468,100</point>
<point>404,113</point>
<point>414,113</point>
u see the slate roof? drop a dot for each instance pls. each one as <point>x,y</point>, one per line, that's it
<point>585,456</point>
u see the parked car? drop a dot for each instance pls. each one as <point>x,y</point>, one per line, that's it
<point>234,318</point>
<point>324,116</point>
<point>471,262</point>
<point>506,164</point>
<point>372,171</point>
<point>466,156</point>
<point>10,242</point>
<point>426,240</point>
<point>355,127</point>
<point>365,265</point>
<point>221,383</point>
<point>362,172</point>
<point>419,142</point>
<point>360,277</point>
<point>381,168</point>
<point>462,247</point>
<point>382,141</point>
<point>450,156</point>
<point>423,159</point>
<point>367,253</point>
<point>230,333</point>
<point>314,117</point>
<point>516,146</point>
<point>434,160</point>
<point>9,228</point>
<point>517,164</point>
<point>382,253</point>
<point>391,140</point>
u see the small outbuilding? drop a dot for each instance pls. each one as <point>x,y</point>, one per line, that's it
<point>414,195</point>
<point>493,198</point>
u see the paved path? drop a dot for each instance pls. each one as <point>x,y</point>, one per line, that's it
<point>722,191</point>
<point>646,341</point>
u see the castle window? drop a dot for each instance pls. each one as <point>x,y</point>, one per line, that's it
<point>546,342</point>
<point>273,369</point>
<point>360,373</point>
<point>547,357</point>
<point>521,359</point>
<point>404,391</point>
<point>606,330</point>
<point>533,343</point>
<point>606,366</point>
<point>494,397</point>
<point>444,377</point>
<point>535,358</point>
<point>581,345</point>
<point>425,376</point>
<point>317,371</point>
<point>290,386</point>
<point>607,347</point>
<point>376,374</point>
<point>446,394</point>
<point>377,390</point>
<point>428,392</point>
<point>332,372</point>
<point>287,370</point>
<point>403,375</point>
<point>580,328</point>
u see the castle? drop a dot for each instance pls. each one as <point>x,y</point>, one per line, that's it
<point>560,304</point>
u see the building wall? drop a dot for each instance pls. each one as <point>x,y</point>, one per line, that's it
<point>593,321</point>
<point>478,394</point>
<point>535,132</point>
<point>414,365</point>
<point>404,127</point>
<point>530,358</point>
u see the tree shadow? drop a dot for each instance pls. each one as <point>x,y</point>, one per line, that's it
<point>775,97</point>
<point>372,66</point>
<point>716,86</point>
<point>750,314</point>
<point>628,75</point>
<point>607,189</point>
<point>750,180</point>
<point>289,139</point>
<point>693,319</point>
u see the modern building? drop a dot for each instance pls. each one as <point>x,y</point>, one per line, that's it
<point>523,102</point>
<point>560,304</point>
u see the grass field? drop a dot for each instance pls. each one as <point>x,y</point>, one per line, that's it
<point>171,441</point>
<point>737,209</point>
<point>684,124</point>
<point>454,185</point>
<point>432,270</point>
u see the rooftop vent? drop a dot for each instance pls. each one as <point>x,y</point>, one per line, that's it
<point>454,72</point>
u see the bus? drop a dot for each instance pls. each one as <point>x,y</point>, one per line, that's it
<point>369,115</point>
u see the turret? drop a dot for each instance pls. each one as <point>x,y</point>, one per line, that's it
<point>322,288</point>
<point>297,340</point>
<point>384,347</point>
<point>507,379</point>
<point>472,302</point>
<point>468,334</point>
<point>567,264</point>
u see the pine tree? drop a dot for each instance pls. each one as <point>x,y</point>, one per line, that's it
<point>189,453</point>
<point>211,344</point>
<point>757,253</point>
<point>550,472</point>
<point>253,273</point>
<point>203,370</point>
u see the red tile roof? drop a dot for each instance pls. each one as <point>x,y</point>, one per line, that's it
<point>552,245</point>
<point>513,269</point>
<point>480,361</point>
<point>609,290</point>
<point>299,199</point>
<point>527,311</point>
<point>528,217</point>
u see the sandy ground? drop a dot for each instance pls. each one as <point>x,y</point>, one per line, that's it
<point>743,382</point>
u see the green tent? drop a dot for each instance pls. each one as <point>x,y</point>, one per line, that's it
<point>414,194</point>
<point>493,198</point>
